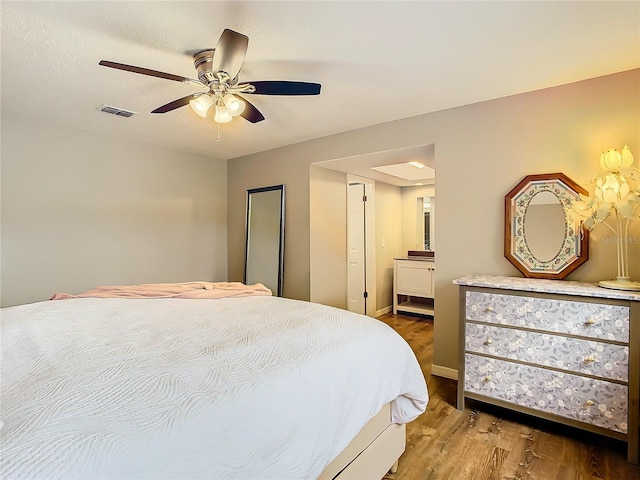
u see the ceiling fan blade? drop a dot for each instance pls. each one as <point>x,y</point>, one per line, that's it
<point>230,52</point>
<point>277,87</point>
<point>250,112</point>
<point>181,102</point>
<point>152,73</point>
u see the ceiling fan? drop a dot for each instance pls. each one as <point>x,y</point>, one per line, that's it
<point>218,72</point>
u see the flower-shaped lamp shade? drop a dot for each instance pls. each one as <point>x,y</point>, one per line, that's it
<point>616,193</point>
<point>613,160</point>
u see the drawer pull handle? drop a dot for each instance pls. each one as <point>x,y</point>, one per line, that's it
<point>590,321</point>
<point>589,359</point>
<point>489,309</point>
<point>487,378</point>
<point>488,342</point>
<point>589,403</point>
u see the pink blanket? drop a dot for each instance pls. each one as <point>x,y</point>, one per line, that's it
<point>173,290</point>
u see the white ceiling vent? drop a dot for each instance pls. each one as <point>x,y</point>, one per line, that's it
<point>116,111</point>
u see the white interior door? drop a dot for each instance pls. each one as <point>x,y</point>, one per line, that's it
<point>361,257</point>
<point>356,255</point>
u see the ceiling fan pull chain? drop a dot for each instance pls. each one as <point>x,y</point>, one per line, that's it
<point>218,139</point>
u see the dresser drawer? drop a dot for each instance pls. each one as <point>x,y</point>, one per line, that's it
<point>596,402</point>
<point>605,360</point>
<point>562,316</point>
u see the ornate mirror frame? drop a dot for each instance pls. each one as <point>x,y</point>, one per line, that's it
<point>575,245</point>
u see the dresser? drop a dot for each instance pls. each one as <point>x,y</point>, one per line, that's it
<point>413,289</point>
<point>560,350</point>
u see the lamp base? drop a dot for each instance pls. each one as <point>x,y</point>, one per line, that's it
<point>620,284</point>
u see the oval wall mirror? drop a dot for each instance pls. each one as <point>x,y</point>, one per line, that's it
<point>543,238</point>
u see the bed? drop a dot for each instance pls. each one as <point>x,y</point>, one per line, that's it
<point>246,387</point>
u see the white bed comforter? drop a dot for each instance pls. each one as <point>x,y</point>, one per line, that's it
<point>238,388</point>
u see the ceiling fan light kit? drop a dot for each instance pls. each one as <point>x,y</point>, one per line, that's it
<point>218,71</point>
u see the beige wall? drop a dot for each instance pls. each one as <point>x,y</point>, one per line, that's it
<point>388,240</point>
<point>482,151</point>
<point>81,210</point>
<point>328,242</point>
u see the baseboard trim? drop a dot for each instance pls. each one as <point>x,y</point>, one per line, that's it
<point>446,372</point>
<point>384,311</point>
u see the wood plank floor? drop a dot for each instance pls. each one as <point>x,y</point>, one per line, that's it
<point>484,443</point>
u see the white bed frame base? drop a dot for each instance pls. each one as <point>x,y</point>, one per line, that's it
<point>445,372</point>
<point>372,453</point>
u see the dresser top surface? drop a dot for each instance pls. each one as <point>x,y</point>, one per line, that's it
<point>546,286</point>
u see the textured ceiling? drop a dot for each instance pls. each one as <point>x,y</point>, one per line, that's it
<point>377,61</point>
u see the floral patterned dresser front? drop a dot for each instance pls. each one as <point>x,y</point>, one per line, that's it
<point>560,350</point>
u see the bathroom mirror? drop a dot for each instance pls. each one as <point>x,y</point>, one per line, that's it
<point>425,223</point>
<point>264,247</point>
<point>543,238</point>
